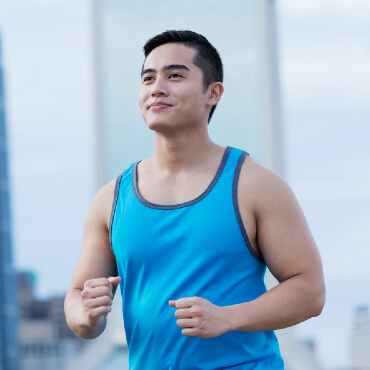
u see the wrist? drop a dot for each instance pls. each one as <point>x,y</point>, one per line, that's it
<point>227,319</point>
<point>237,316</point>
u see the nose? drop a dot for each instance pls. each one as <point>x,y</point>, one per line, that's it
<point>159,88</point>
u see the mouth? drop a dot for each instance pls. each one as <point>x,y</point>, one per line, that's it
<point>158,106</point>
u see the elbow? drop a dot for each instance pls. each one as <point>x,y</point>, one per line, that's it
<point>68,318</point>
<point>318,300</point>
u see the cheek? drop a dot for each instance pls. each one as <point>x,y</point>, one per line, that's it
<point>143,96</point>
<point>195,101</point>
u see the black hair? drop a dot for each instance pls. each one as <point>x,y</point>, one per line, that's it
<point>207,57</point>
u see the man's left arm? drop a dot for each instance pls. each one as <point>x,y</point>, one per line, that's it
<point>285,241</point>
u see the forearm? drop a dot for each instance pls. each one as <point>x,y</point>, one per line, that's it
<point>289,303</point>
<point>75,317</point>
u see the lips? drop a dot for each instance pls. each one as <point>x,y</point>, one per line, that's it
<point>158,106</point>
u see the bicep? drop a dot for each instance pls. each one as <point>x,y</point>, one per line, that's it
<point>283,235</point>
<point>96,259</point>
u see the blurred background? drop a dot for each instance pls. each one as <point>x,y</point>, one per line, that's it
<point>297,94</point>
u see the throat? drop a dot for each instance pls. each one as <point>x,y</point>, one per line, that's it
<point>168,189</point>
<point>172,191</point>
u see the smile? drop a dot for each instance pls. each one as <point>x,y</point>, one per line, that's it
<point>158,106</point>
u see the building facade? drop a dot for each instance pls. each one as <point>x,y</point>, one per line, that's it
<point>8,307</point>
<point>360,339</point>
<point>248,116</point>
<point>45,341</point>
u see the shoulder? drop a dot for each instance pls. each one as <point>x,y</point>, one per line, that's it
<point>101,205</point>
<point>261,187</point>
<point>282,233</point>
<point>106,193</point>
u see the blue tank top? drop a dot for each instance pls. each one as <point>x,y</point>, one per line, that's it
<point>197,248</point>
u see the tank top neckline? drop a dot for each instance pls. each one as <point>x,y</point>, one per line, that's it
<point>146,203</point>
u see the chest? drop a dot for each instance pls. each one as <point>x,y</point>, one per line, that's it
<point>170,189</point>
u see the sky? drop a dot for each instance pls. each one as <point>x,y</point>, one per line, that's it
<point>325,86</point>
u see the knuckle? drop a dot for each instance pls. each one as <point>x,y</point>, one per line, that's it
<point>84,294</point>
<point>108,309</point>
<point>196,300</point>
<point>105,282</point>
<point>102,310</point>
<point>197,322</point>
<point>195,311</point>
<point>86,304</point>
<point>89,283</point>
<point>90,315</point>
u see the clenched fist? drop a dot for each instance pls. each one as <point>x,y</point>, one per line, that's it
<point>199,317</point>
<point>97,298</point>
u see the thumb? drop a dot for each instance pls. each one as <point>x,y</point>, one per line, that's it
<point>114,280</point>
<point>172,303</point>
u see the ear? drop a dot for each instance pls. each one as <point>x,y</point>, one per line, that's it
<point>214,91</point>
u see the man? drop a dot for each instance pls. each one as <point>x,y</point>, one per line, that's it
<point>189,232</point>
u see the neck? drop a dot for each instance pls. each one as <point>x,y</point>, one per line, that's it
<point>182,152</point>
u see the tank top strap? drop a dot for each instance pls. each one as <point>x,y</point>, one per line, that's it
<point>230,172</point>
<point>236,158</point>
<point>122,180</point>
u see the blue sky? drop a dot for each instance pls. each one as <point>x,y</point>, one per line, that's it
<point>325,81</point>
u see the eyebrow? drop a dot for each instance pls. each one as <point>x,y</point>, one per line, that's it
<point>166,68</point>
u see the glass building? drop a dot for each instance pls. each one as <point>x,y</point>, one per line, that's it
<point>8,308</point>
<point>248,116</point>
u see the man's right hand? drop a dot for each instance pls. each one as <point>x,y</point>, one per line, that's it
<point>97,298</point>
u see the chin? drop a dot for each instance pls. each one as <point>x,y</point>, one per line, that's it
<point>158,125</point>
<point>164,127</point>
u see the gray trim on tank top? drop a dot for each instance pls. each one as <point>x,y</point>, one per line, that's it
<point>116,191</point>
<point>185,204</point>
<point>236,207</point>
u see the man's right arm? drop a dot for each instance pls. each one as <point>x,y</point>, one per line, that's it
<point>89,297</point>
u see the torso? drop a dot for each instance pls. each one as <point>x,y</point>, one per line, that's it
<point>168,189</point>
<point>202,238</point>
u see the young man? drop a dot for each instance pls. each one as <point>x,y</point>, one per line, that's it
<point>188,233</point>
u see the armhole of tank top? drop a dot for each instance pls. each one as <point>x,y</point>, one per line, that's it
<point>115,198</point>
<point>237,210</point>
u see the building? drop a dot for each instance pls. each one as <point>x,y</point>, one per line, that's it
<point>8,307</point>
<point>248,116</point>
<point>360,339</point>
<point>45,341</point>
<point>247,46</point>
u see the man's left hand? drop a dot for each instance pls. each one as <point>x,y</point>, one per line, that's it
<point>198,317</point>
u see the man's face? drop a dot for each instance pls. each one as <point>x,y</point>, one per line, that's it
<point>171,93</point>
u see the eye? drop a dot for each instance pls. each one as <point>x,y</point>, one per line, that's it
<point>175,75</point>
<point>147,78</point>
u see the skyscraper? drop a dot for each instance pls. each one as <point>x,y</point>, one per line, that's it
<point>248,116</point>
<point>360,339</point>
<point>8,308</point>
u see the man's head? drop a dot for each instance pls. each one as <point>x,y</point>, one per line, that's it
<point>206,57</point>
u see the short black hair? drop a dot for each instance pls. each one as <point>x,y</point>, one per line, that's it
<point>207,58</point>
